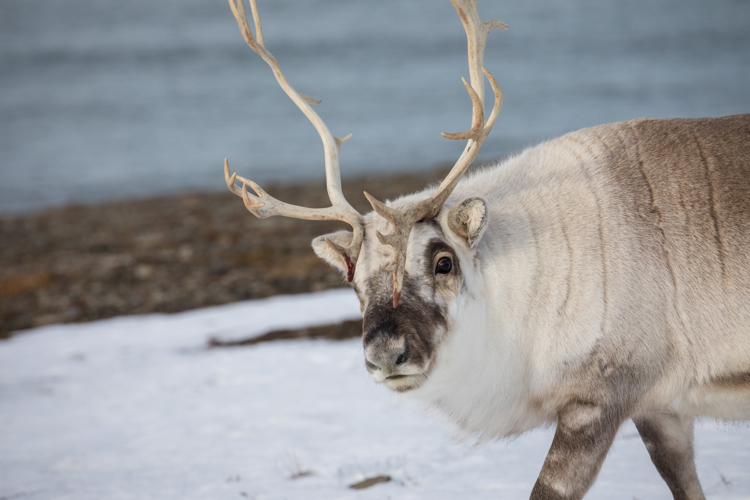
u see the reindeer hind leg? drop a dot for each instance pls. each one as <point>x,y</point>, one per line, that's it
<point>669,441</point>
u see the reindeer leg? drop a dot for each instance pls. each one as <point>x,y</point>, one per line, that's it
<point>669,441</point>
<point>583,437</point>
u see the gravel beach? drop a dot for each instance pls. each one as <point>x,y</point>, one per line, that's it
<point>169,254</point>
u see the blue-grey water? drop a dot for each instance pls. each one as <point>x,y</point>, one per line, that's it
<point>110,100</point>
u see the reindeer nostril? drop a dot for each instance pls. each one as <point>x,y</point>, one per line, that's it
<point>404,355</point>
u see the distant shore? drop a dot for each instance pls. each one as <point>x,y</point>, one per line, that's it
<point>167,254</point>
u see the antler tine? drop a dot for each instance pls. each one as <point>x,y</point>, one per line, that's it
<point>498,102</point>
<point>261,204</point>
<point>477,117</point>
<point>256,20</point>
<point>403,220</point>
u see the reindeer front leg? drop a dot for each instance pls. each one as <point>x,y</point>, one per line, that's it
<point>584,434</point>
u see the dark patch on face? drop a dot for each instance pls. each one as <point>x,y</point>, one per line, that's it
<point>415,319</point>
<point>416,324</point>
<point>433,248</point>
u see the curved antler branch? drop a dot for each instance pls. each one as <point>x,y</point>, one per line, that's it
<point>330,143</point>
<point>477,117</point>
<point>261,204</point>
<point>470,153</point>
<point>403,220</point>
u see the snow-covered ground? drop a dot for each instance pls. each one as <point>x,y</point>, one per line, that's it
<point>136,407</point>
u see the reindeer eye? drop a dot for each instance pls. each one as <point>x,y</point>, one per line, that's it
<point>444,266</point>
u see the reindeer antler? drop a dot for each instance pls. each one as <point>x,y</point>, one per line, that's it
<point>263,205</point>
<point>403,220</point>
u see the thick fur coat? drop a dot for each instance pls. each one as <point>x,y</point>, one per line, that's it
<point>600,276</point>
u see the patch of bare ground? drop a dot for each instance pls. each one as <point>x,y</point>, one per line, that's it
<point>338,331</point>
<point>167,254</point>
<point>370,482</point>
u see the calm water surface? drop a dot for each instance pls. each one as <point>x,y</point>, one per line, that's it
<point>111,100</point>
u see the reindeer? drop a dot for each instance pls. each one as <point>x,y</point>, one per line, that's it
<point>597,277</point>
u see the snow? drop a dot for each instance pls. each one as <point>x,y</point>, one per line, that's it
<point>137,408</point>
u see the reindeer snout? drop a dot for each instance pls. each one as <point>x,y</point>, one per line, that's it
<point>385,355</point>
<point>397,344</point>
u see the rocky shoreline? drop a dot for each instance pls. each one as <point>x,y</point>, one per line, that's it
<point>168,254</point>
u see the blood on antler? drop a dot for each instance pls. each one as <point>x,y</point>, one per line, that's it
<point>403,220</point>
<point>263,205</point>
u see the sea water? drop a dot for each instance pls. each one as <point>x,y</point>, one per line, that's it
<point>105,100</point>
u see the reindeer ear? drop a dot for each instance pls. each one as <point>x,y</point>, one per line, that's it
<point>468,220</point>
<point>329,253</point>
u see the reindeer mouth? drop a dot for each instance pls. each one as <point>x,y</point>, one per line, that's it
<point>404,383</point>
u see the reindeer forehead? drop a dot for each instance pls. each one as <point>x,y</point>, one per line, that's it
<point>421,234</point>
<point>425,236</point>
<point>376,255</point>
